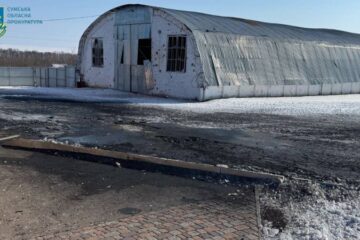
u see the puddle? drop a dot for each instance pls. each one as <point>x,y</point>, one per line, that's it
<point>100,137</point>
<point>129,211</point>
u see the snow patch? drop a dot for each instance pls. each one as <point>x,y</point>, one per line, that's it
<point>293,106</point>
<point>314,217</point>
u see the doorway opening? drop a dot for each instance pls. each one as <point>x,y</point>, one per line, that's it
<point>144,51</point>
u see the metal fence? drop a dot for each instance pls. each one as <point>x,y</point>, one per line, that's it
<point>38,77</point>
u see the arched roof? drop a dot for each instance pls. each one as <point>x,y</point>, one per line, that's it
<point>196,21</point>
<point>237,51</point>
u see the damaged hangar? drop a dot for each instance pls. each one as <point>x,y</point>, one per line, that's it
<point>190,55</point>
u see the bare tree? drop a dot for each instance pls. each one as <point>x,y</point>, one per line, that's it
<point>17,58</point>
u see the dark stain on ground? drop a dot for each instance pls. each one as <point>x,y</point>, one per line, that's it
<point>275,216</point>
<point>130,211</point>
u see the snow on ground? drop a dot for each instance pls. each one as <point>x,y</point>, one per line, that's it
<point>311,105</point>
<point>82,95</point>
<point>321,220</point>
<point>342,104</point>
<point>315,216</point>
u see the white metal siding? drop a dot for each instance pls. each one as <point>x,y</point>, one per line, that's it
<point>175,84</point>
<point>100,76</point>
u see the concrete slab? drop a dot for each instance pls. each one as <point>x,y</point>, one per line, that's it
<point>146,162</point>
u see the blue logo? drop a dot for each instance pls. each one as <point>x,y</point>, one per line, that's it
<point>2,22</point>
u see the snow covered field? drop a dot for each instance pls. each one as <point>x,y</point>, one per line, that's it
<point>293,106</point>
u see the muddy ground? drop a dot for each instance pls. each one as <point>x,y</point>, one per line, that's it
<point>319,147</point>
<point>322,147</point>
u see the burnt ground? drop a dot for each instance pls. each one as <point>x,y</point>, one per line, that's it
<point>324,147</point>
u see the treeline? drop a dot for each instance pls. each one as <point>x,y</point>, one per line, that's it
<point>17,58</point>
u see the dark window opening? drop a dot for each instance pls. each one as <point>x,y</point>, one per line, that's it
<point>176,61</point>
<point>98,53</point>
<point>122,56</point>
<point>144,51</point>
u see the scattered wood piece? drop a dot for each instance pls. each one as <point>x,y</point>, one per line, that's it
<point>9,138</point>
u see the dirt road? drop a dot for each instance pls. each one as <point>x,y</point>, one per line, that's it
<point>323,147</point>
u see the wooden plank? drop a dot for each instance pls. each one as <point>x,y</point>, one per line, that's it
<point>42,145</point>
<point>9,138</point>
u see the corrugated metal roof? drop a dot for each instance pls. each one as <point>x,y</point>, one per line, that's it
<point>242,52</point>
<point>211,23</point>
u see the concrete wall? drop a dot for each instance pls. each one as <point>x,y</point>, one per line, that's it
<point>102,77</point>
<point>214,92</point>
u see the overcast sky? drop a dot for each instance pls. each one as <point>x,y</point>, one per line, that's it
<point>64,35</point>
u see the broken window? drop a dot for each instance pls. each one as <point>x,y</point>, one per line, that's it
<point>98,53</point>
<point>144,51</point>
<point>176,61</point>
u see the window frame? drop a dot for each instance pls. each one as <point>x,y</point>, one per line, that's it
<point>97,57</point>
<point>177,49</point>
